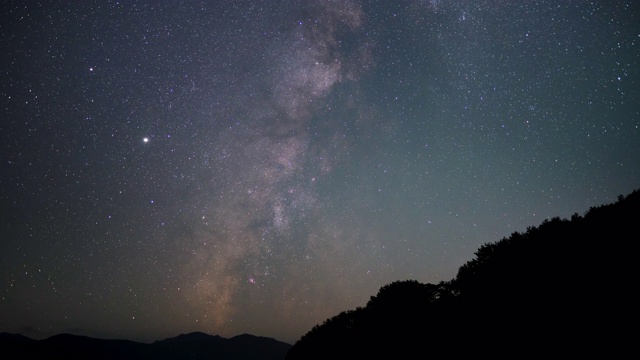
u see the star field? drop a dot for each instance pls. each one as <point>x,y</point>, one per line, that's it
<point>259,166</point>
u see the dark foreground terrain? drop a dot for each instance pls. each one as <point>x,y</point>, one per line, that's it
<point>562,289</point>
<point>189,346</point>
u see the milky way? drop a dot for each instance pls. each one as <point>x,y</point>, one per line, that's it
<point>258,167</point>
<point>267,219</point>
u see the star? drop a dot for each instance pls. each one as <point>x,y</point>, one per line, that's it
<point>275,134</point>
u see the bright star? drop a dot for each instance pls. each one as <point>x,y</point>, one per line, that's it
<point>145,140</point>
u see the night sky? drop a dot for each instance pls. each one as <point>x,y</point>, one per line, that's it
<point>260,166</point>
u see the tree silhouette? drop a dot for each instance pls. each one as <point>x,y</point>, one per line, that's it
<point>561,288</point>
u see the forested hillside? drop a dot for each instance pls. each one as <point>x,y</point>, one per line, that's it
<point>564,287</point>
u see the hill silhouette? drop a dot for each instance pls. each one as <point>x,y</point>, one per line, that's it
<point>185,346</point>
<point>563,288</point>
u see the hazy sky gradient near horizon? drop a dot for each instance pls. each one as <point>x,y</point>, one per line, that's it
<point>259,166</point>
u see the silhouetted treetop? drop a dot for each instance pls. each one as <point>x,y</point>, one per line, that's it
<point>563,288</point>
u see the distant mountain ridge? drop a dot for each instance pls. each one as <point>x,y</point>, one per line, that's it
<point>192,346</point>
<point>562,289</point>
<point>194,336</point>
